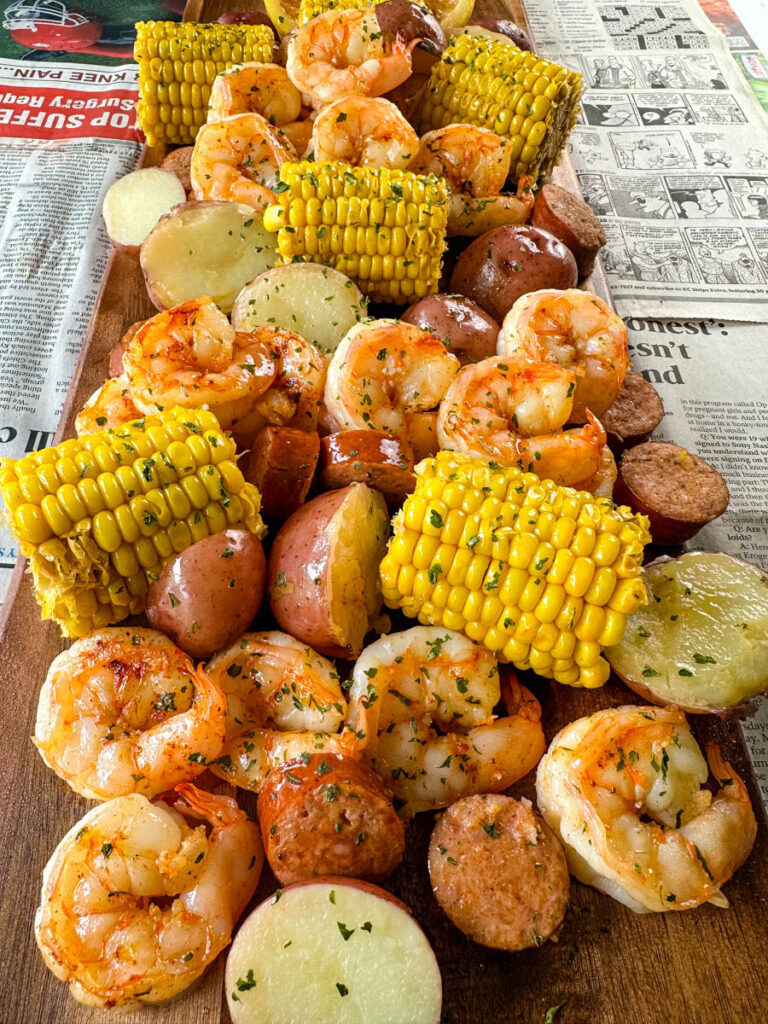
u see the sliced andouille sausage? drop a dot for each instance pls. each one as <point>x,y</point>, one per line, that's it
<point>178,162</point>
<point>570,219</point>
<point>498,872</point>
<point>677,490</point>
<point>370,457</point>
<point>329,815</point>
<point>636,412</point>
<point>282,464</point>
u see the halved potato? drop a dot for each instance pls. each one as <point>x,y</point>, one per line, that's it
<point>205,248</point>
<point>336,951</point>
<point>317,302</point>
<point>135,203</point>
<point>701,642</point>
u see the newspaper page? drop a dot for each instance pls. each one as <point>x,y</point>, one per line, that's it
<point>67,112</point>
<point>671,150</point>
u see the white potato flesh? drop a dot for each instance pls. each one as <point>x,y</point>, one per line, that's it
<point>317,302</point>
<point>702,639</point>
<point>136,202</point>
<point>332,952</point>
<point>205,248</point>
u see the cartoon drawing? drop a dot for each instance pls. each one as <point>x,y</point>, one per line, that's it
<point>717,158</point>
<point>667,266</point>
<point>666,115</point>
<point>646,153</point>
<point>756,206</point>
<point>733,266</point>
<point>756,159</point>
<point>655,207</point>
<point>596,194</point>
<point>693,203</point>
<point>609,115</point>
<point>608,73</point>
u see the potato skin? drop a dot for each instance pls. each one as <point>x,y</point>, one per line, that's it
<point>510,261</point>
<point>410,21</point>
<point>330,816</point>
<point>508,28</point>
<point>282,465</point>
<point>470,332</point>
<point>371,457</point>
<point>499,872</point>
<point>194,600</point>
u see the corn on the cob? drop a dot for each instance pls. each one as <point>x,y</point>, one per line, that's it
<point>519,95</point>
<point>309,9</point>
<point>385,229</point>
<point>98,515</point>
<point>178,62</point>
<point>543,575</point>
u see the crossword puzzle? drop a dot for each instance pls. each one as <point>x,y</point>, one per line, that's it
<point>636,27</point>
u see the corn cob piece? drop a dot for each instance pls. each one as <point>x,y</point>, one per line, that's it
<point>519,95</point>
<point>544,576</point>
<point>309,9</point>
<point>178,62</point>
<point>98,515</point>
<point>384,229</point>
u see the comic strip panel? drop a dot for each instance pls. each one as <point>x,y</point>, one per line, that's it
<point>699,196</point>
<point>595,193</point>
<point>749,196</point>
<point>723,255</point>
<point>759,239</point>
<point>640,197</point>
<point>659,257</point>
<point>611,73</point>
<point>663,108</point>
<point>716,110</point>
<point>615,254</point>
<point>695,71</point>
<point>641,27</point>
<point>643,151</point>
<point>606,111</point>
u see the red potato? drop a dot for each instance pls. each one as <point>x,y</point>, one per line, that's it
<point>178,162</point>
<point>499,872</point>
<point>568,218</point>
<point>329,815</point>
<point>411,21</point>
<point>370,457</point>
<point>332,950</point>
<point>677,490</point>
<point>208,594</point>
<point>282,465</point>
<point>136,202</point>
<point>244,18</point>
<point>505,27</point>
<point>634,415</point>
<point>470,333</point>
<point>323,576</point>
<point>510,261</point>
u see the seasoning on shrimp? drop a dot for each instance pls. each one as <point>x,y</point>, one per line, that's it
<point>512,410</point>
<point>238,159</point>
<point>577,330</point>
<point>138,897</point>
<point>365,131</point>
<point>623,790</point>
<point>109,407</point>
<point>255,88</point>
<point>125,711</point>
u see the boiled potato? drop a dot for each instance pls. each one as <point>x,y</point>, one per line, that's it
<point>701,642</point>
<point>336,951</point>
<point>317,302</point>
<point>205,248</point>
<point>135,203</point>
<point>464,326</point>
<point>208,594</point>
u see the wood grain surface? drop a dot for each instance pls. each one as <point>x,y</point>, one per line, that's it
<point>610,966</point>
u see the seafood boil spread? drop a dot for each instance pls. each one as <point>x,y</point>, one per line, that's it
<point>374,481</point>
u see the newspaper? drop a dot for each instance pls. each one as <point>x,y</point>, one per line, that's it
<point>671,150</point>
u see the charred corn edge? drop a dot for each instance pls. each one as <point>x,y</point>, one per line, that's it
<point>99,515</point>
<point>543,575</point>
<point>383,228</point>
<point>519,95</point>
<point>178,62</point>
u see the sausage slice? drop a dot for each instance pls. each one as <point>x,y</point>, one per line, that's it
<point>282,464</point>
<point>636,412</point>
<point>570,219</point>
<point>369,457</point>
<point>498,872</point>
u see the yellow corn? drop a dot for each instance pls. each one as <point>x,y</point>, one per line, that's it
<point>95,544</point>
<point>384,229</point>
<point>529,100</point>
<point>178,62</point>
<point>517,575</point>
<point>309,9</point>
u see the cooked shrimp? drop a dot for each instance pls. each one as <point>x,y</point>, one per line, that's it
<point>295,397</point>
<point>342,52</point>
<point>299,134</point>
<point>472,160</point>
<point>124,711</point>
<point>383,370</point>
<point>238,159</point>
<point>191,356</point>
<point>622,789</point>
<point>255,88</point>
<point>422,702</point>
<point>111,406</point>
<point>577,330</point>
<point>283,700</point>
<point>365,131</point>
<point>138,898</point>
<point>601,483</point>
<point>512,410</point>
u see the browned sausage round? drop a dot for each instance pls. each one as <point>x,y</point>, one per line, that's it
<point>178,162</point>
<point>678,491</point>
<point>329,815</point>
<point>498,872</point>
<point>570,219</point>
<point>636,412</point>
<point>282,464</point>
<point>370,457</point>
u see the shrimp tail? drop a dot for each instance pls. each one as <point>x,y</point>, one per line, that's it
<point>594,431</point>
<point>731,786</point>
<point>216,809</point>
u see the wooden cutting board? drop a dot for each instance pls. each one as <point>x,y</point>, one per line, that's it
<point>610,966</point>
